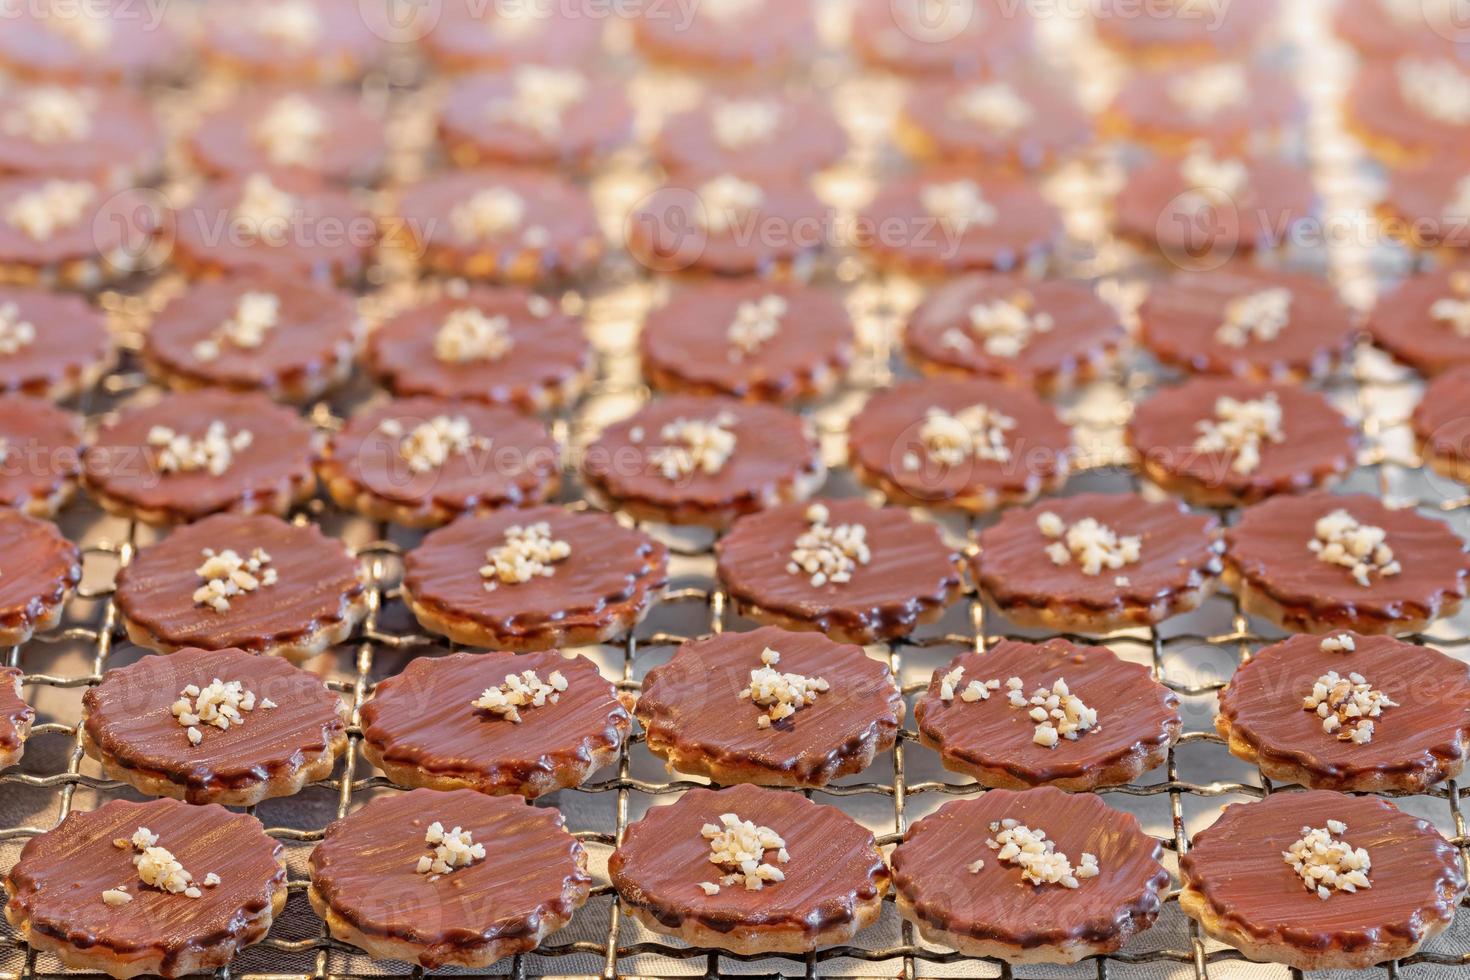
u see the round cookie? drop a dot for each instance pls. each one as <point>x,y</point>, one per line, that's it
<point>524,877</point>
<point>286,225</point>
<point>319,40</point>
<point>38,571</point>
<point>977,445</point>
<point>1322,562</point>
<point>688,459</point>
<point>727,35</point>
<point>769,707</point>
<point>1218,442</point>
<point>1441,424</point>
<point>499,223</point>
<point>1425,321</point>
<point>1240,888</point>
<point>857,573</point>
<point>471,34</point>
<point>74,234</point>
<point>534,579</point>
<point>1022,122</point>
<point>934,38</point>
<point>78,891</point>
<point>1225,105</point>
<point>265,728</point>
<point>1406,111</point>
<point>752,130</point>
<point>320,132</point>
<point>51,345</point>
<point>1251,323</point>
<point>943,221</point>
<point>503,346</point>
<point>1049,335</point>
<point>1428,206</point>
<point>250,581</point>
<point>1096,562</point>
<point>40,455</point>
<point>1366,714</point>
<point>1105,721</point>
<point>108,135</point>
<point>15,716</point>
<point>831,876</point>
<point>191,454</point>
<point>479,721</point>
<point>103,40</point>
<point>534,115</point>
<point>967,890</point>
<point>751,340</point>
<point>422,462</point>
<point>292,339</point>
<point>1382,29</point>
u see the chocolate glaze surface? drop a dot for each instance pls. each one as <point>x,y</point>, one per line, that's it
<point>352,145</point>
<point>1159,205</point>
<point>1147,107</point>
<point>774,450</point>
<point>688,341</point>
<point>888,431</point>
<point>1268,546</point>
<point>758,32</point>
<point>1055,126</point>
<point>834,864</point>
<point>120,137</point>
<point>896,226</point>
<point>1403,325</point>
<point>134,45</point>
<point>470,34</point>
<point>1135,712</point>
<point>517,468</point>
<point>1318,442</point>
<point>129,717</point>
<point>317,581</point>
<point>547,351</point>
<point>424,717</point>
<point>611,571</point>
<point>931,870</point>
<point>1180,317</point>
<point>40,450</point>
<point>316,328</point>
<point>1441,420</point>
<point>15,714</point>
<point>592,126</point>
<point>1425,200</point>
<point>122,465</point>
<point>344,42</point>
<point>38,567</point>
<point>1233,30</point>
<point>906,37</point>
<point>62,874</point>
<point>364,868</point>
<point>912,571</point>
<point>692,703</point>
<point>1085,329</point>
<point>326,235</point>
<point>1427,730</point>
<point>112,225</point>
<point>1237,868</point>
<point>806,136</point>
<point>1375,106</point>
<point>1180,551</point>
<point>71,341</point>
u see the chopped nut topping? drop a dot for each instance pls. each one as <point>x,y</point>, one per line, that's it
<point>960,203</point>
<point>727,201</point>
<point>51,114</point>
<point>1437,88</point>
<point>1094,545</point>
<point>467,334</point>
<point>226,575</point>
<point>977,432</point>
<point>431,444</point>
<point>739,848</point>
<point>994,105</point>
<point>527,552</point>
<point>15,333</point>
<point>1005,326</point>
<point>263,211</point>
<point>1346,705</point>
<point>490,213</point>
<point>1326,863</point>
<point>1340,643</point>
<point>1256,317</point>
<point>740,123</point>
<point>755,324</point>
<point>256,314</point>
<point>1057,712</point>
<point>1037,857</point>
<point>781,694</point>
<point>291,131</point>
<point>1211,176</point>
<point>54,207</point>
<point>219,703</point>
<point>694,446</point>
<point>1206,91</point>
<point>541,98</point>
<point>116,897</point>
<point>1240,428</point>
<point>452,849</point>
<point>295,23</point>
<point>827,553</point>
<point>1454,311</point>
<point>81,24</point>
<point>1362,548</point>
<point>157,866</point>
<point>214,451</point>
<point>522,690</point>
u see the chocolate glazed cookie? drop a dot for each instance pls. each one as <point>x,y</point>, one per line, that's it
<point>38,571</point>
<point>15,717</point>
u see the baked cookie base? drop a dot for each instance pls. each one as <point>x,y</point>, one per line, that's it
<point>979,499</point>
<point>1043,383</point>
<point>348,494</point>
<point>278,501</point>
<point>305,387</point>
<point>718,516</point>
<point>49,619</point>
<point>1257,602</point>
<point>757,939</point>
<point>729,773</point>
<point>549,636</point>
<point>305,647</point>
<point>1068,952</point>
<point>1114,773</point>
<point>1073,618</point>
<point>10,756</point>
<point>862,636</point>
<point>1202,494</point>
